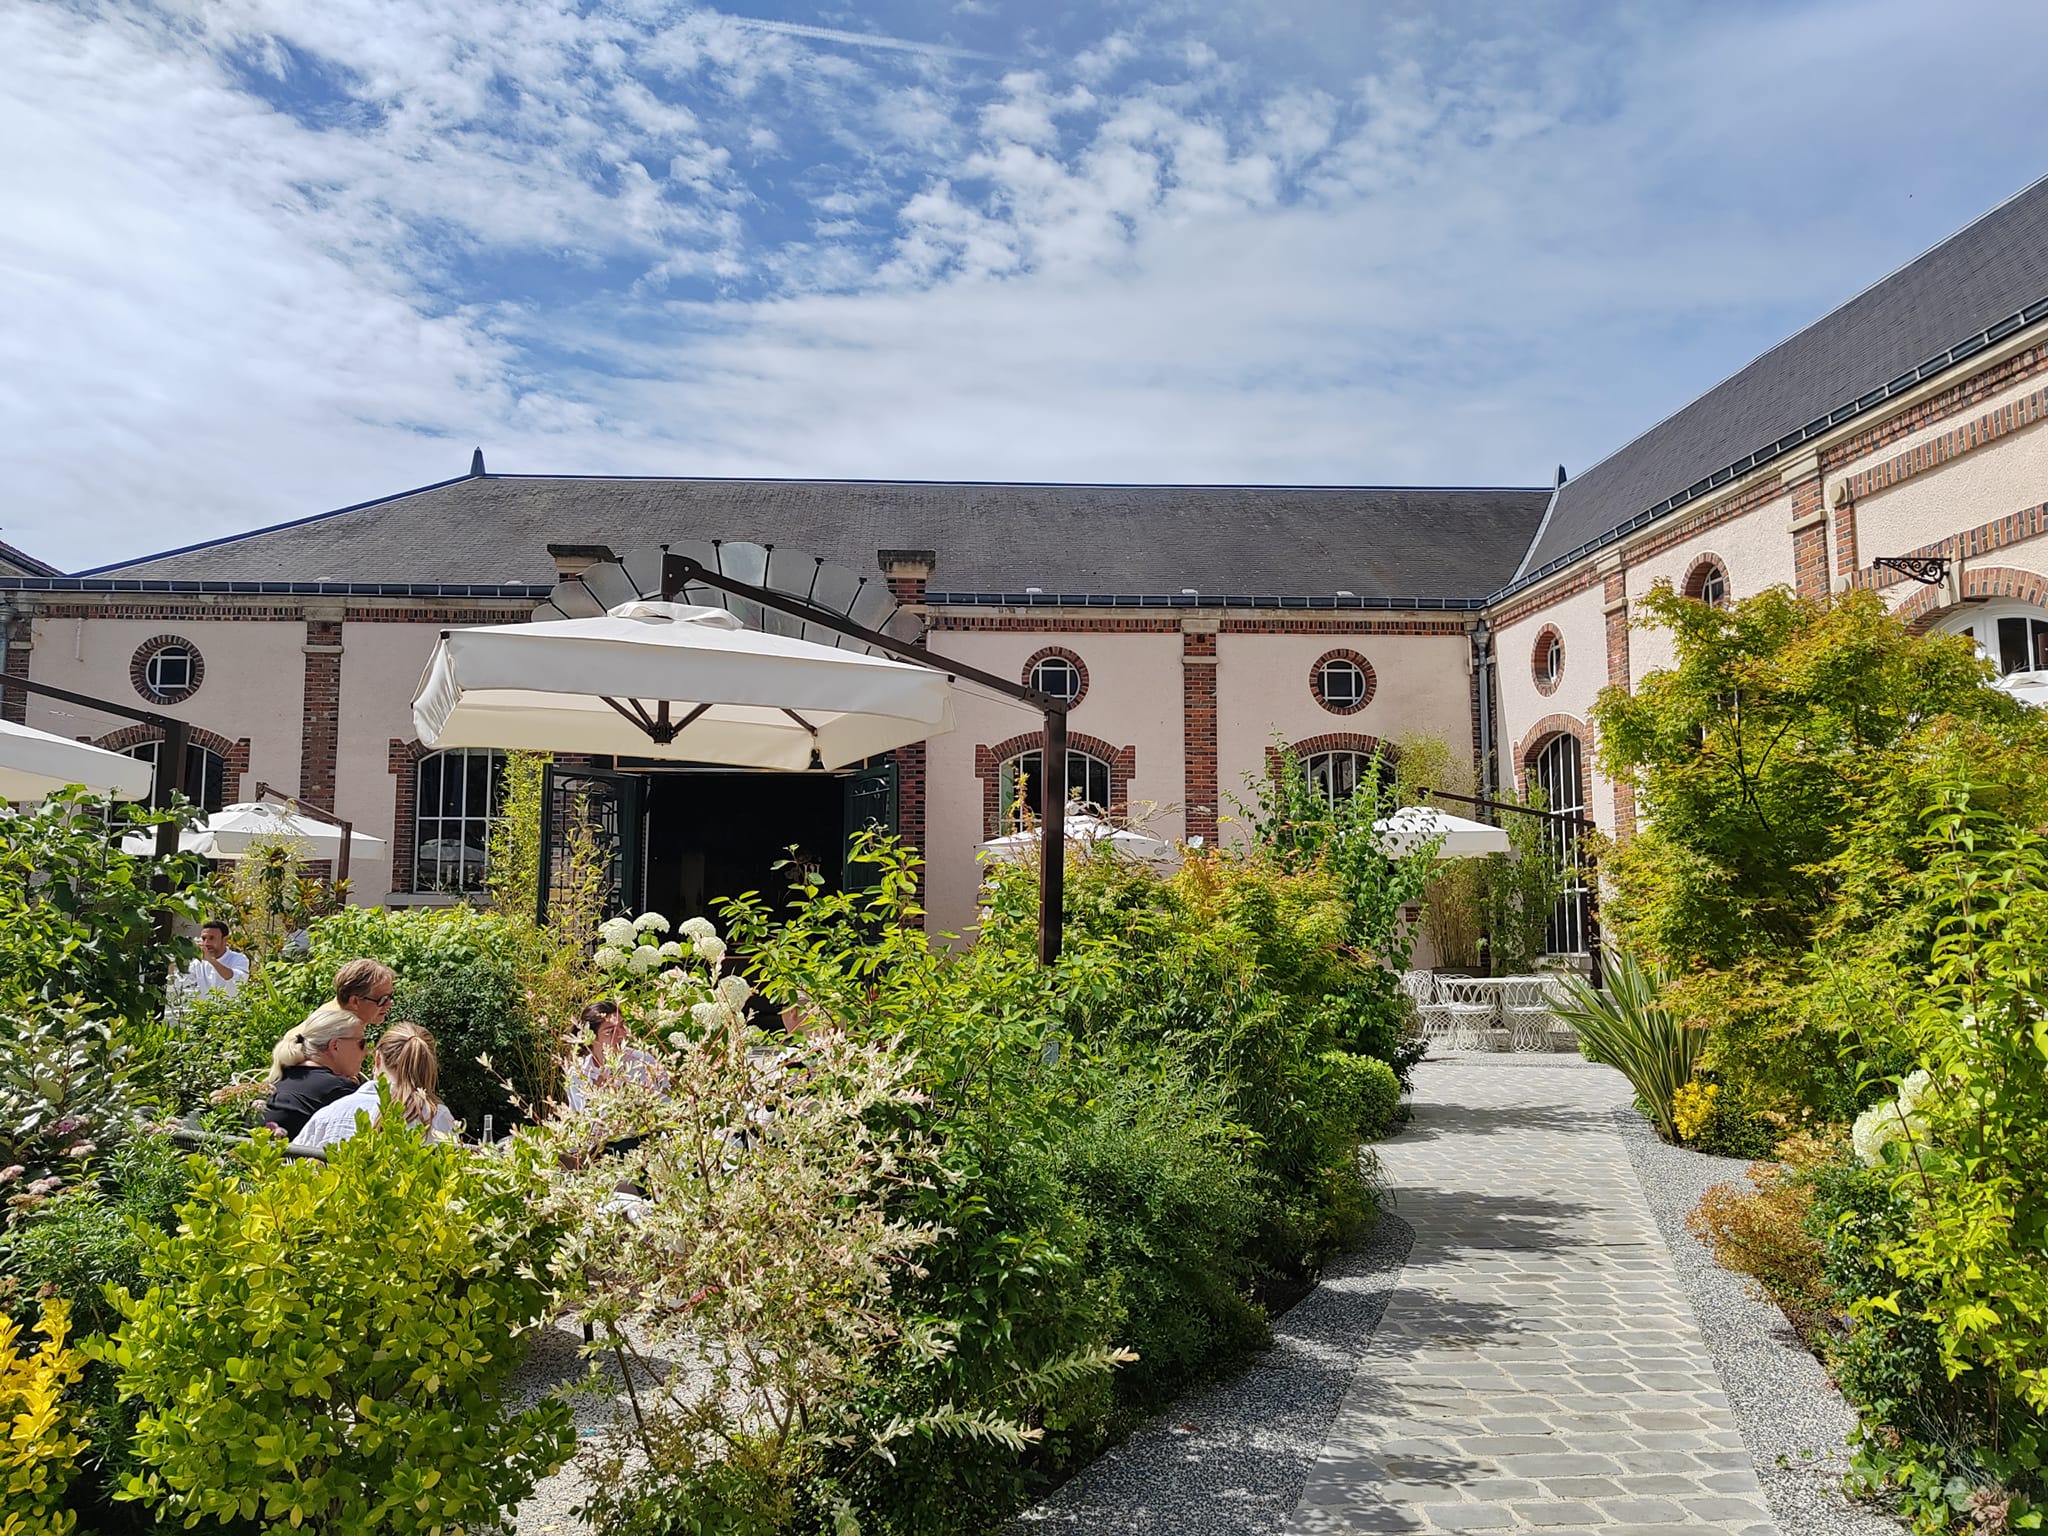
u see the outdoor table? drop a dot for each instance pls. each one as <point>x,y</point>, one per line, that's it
<point>1475,1005</point>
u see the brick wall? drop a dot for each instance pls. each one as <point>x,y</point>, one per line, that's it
<point>1616,594</point>
<point>1198,731</point>
<point>320,727</point>
<point>20,644</point>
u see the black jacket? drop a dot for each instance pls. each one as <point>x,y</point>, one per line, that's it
<point>302,1091</point>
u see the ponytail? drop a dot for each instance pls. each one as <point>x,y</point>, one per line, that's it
<point>306,1040</point>
<point>405,1055</point>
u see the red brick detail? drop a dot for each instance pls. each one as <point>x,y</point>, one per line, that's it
<point>1331,741</point>
<point>1809,538</point>
<point>1047,653</point>
<point>191,612</point>
<point>234,753</point>
<point>1534,739</point>
<point>1547,640</point>
<point>1924,608</point>
<point>1202,791</point>
<point>989,760</point>
<point>19,638</point>
<point>320,729</point>
<point>1696,574</point>
<point>1281,626</point>
<point>138,669</point>
<point>1315,681</point>
<point>2014,528</point>
<point>1941,448</point>
<point>1937,408</point>
<point>402,760</point>
<point>907,573</point>
<point>994,624</point>
<point>1549,593</point>
<point>468,617</point>
<point>1845,540</point>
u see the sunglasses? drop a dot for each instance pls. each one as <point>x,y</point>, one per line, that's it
<point>379,1002</point>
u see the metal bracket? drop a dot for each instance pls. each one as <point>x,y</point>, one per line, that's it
<point>1928,570</point>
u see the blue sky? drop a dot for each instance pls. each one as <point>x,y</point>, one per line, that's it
<point>263,258</point>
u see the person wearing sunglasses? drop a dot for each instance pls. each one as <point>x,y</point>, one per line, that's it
<point>317,1062</point>
<point>364,989</point>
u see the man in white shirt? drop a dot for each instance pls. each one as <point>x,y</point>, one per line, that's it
<point>218,968</point>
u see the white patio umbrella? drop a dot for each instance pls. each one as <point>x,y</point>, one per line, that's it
<point>2028,687</point>
<point>35,764</point>
<point>654,679</point>
<point>1414,825</point>
<point>1092,835</point>
<point>231,831</point>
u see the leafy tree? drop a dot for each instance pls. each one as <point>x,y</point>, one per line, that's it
<point>1753,755</point>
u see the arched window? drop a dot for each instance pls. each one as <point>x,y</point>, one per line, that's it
<point>1546,663</point>
<point>1336,775</point>
<point>455,805</point>
<point>1557,769</point>
<point>2013,637</point>
<point>205,768</point>
<point>1060,675</point>
<point>1087,781</point>
<point>1708,583</point>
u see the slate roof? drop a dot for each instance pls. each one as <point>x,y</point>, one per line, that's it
<point>1931,311</point>
<point>15,562</point>
<point>1076,539</point>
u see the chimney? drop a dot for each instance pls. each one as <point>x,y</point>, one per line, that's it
<point>476,464</point>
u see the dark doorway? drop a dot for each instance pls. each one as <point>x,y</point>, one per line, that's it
<point>713,836</point>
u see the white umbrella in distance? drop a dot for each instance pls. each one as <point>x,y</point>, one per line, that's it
<point>231,831</point>
<point>2028,687</point>
<point>35,764</point>
<point>1092,835</point>
<point>1413,826</point>
<point>654,679</point>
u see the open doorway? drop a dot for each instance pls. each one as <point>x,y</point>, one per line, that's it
<point>714,836</point>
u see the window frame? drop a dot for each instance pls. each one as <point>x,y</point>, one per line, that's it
<point>446,828</point>
<point>213,770</point>
<point>1010,767</point>
<point>1975,618</point>
<point>1547,765</point>
<point>1073,668</point>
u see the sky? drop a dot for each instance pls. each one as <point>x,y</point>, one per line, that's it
<point>261,258</point>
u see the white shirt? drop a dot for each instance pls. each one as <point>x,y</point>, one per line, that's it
<point>201,978</point>
<point>627,1063</point>
<point>337,1121</point>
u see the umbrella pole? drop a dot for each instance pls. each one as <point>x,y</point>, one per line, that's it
<point>1052,828</point>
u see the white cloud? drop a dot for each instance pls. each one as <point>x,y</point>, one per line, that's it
<point>1198,246</point>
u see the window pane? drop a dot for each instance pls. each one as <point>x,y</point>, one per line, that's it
<point>2012,645</point>
<point>457,797</point>
<point>2040,630</point>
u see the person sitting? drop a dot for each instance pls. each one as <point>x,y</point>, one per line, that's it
<point>218,968</point>
<point>364,988</point>
<point>407,1064</point>
<point>316,1063</point>
<point>605,1056</point>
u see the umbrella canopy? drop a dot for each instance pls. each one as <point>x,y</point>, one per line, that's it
<point>35,764</point>
<point>2027,687</point>
<point>1414,825</point>
<point>1093,835</point>
<point>231,831</point>
<point>654,679</point>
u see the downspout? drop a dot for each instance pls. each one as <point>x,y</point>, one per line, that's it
<point>1482,688</point>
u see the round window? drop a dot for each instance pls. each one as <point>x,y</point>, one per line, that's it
<point>1708,583</point>
<point>167,669</point>
<point>1058,673</point>
<point>1547,663</point>
<point>1342,682</point>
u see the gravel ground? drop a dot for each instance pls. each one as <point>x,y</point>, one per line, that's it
<point>1792,1419</point>
<point>1232,1459</point>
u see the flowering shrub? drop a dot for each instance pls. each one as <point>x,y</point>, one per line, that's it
<point>1692,1109</point>
<point>1892,1125</point>
<point>40,1451</point>
<point>65,1093</point>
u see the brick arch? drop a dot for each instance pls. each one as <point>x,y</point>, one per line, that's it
<point>1357,659</point>
<point>1538,734</point>
<point>1548,638</point>
<point>1333,741</point>
<point>989,760</point>
<point>1696,573</point>
<point>234,753</point>
<point>1925,608</point>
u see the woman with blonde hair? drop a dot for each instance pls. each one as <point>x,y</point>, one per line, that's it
<point>318,1061</point>
<point>406,1063</point>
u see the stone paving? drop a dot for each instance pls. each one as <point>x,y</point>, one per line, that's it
<point>1539,1366</point>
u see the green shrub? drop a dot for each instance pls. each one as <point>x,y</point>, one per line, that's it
<point>39,1453</point>
<point>1368,1089</point>
<point>1628,1028</point>
<point>66,1092</point>
<point>327,1345</point>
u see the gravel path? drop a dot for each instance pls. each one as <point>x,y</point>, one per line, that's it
<point>1791,1417</point>
<point>1231,1460</point>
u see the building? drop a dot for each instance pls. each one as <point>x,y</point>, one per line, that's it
<point>1897,438</point>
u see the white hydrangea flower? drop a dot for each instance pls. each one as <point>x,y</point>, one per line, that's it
<point>644,959</point>
<point>671,950</point>
<point>733,991</point>
<point>650,922</point>
<point>617,932</point>
<point>1890,1120</point>
<point>608,958</point>
<point>711,949</point>
<point>698,928</point>
<point>705,1015</point>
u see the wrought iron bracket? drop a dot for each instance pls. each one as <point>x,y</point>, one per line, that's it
<point>1928,570</point>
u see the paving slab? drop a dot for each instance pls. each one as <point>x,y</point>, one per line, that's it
<point>1539,1365</point>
